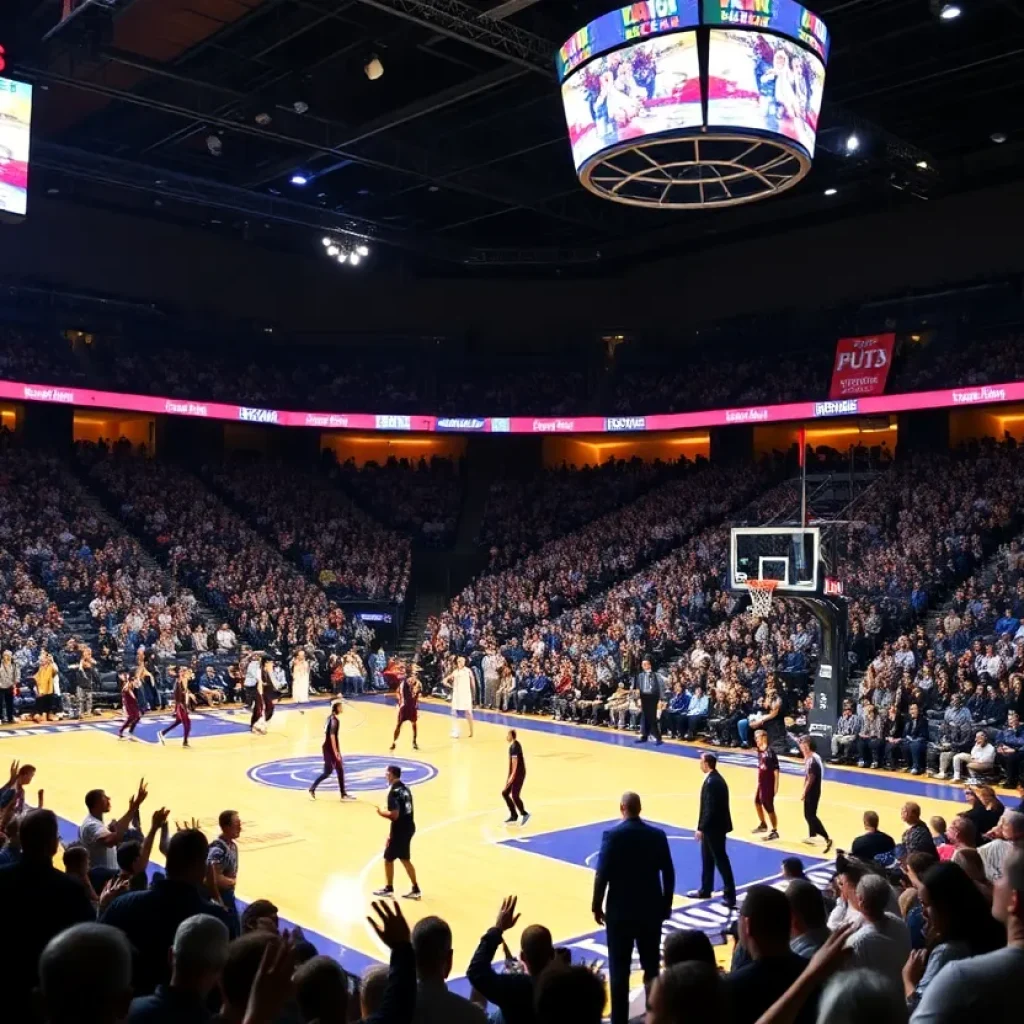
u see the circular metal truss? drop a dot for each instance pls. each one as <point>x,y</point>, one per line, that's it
<point>700,171</point>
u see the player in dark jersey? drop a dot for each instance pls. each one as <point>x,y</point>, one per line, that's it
<point>812,791</point>
<point>514,783</point>
<point>332,753</point>
<point>767,785</point>
<point>182,698</point>
<point>403,827</point>
<point>408,693</point>
<point>130,703</point>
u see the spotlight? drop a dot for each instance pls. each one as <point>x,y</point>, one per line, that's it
<point>922,165</point>
<point>263,118</point>
<point>342,257</point>
<point>362,250</point>
<point>831,191</point>
<point>299,179</point>
<point>373,69</point>
<point>300,106</point>
<point>852,143</point>
<point>950,12</point>
<point>326,242</point>
<point>214,145</point>
<point>354,259</point>
<point>998,137</point>
<point>332,250</point>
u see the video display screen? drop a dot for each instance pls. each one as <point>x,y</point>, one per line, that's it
<point>641,90</point>
<point>760,81</point>
<point>15,125</point>
<point>783,16</point>
<point>632,22</point>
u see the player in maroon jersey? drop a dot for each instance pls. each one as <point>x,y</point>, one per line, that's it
<point>130,703</point>
<point>182,698</point>
<point>767,785</point>
<point>332,754</point>
<point>408,693</point>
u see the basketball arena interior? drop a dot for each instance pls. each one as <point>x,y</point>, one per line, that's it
<point>512,511</point>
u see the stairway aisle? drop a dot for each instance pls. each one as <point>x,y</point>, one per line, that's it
<point>427,604</point>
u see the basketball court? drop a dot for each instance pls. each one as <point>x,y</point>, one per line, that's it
<point>319,861</point>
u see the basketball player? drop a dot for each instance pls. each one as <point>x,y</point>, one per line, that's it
<point>516,778</point>
<point>130,704</point>
<point>332,754</point>
<point>408,693</point>
<point>182,698</point>
<point>263,698</point>
<point>767,785</point>
<point>812,791</point>
<point>403,828</point>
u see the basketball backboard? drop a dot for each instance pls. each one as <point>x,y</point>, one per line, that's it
<point>788,554</point>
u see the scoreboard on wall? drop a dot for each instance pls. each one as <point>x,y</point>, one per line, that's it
<point>15,133</point>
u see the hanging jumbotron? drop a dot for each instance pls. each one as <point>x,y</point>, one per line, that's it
<point>694,103</point>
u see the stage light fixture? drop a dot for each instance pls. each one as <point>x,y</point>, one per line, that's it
<point>354,259</point>
<point>852,143</point>
<point>214,145</point>
<point>300,106</point>
<point>325,242</point>
<point>373,69</point>
<point>299,179</point>
<point>922,165</point>
<point>263,119</point>
<point>332,250</point>
<point>362,250</point>
<point>998,137</point>
<point>831,191</point>
<point>950,12</point>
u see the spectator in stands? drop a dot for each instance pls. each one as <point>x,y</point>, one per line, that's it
<point>85,976</point>
<point>569,994</point>
<point>882,943</point>
<point>916,837</point>
<point>958,922</point>
<point>808,928</point>
<point>432,944</point>
<point>915,741</point>
<point>681,987</point>
<point>874,843</point>
<point>844,736</point>
<point>1009,744</point>
<point>982,987</point>
<point>38,902</point>
<point>151,918</point>
<point>764,928</point>
<point>1007,836</point>
<point>511,993</point>
<point>981,758</point>
<point>198,955</point>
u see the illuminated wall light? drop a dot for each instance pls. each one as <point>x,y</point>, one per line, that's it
<point>950,12</point>
<point>852,143</point>
<point>831,191</point>
<point>299,179</point>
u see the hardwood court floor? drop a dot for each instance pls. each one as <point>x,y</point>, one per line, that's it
<point>319,861</point>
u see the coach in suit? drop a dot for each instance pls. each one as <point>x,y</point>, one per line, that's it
<point>648,684</point>
<point>635,867</point>
<point>714,824</point>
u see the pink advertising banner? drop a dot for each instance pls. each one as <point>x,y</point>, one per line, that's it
<point>751,416</point>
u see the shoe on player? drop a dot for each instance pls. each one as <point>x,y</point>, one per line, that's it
<point>526,817</point>
<point>511,821</point>
<point>760,828</point>
<point>160,738</point>
<point>387,890</point>
<point>771,835</point>
<point>413,894</point>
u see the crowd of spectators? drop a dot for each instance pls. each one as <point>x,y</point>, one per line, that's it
<point>521,515</point>
<point>314,525</point>
<point>983,360</point>
<point>419,498</point>
<point>207,547</point>
<point>513,391</point>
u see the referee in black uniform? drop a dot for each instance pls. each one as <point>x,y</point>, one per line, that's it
<point>648,683</point>
<point>403,828</point>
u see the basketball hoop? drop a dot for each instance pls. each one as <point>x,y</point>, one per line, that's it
<point>761,592</point>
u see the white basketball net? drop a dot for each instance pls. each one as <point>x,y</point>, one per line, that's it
<point>761,593</point>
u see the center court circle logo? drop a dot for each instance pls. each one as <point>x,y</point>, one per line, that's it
<point>363,773</point>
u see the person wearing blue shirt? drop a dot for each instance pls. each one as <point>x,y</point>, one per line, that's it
<point>540,687</point>
<point>697,712</point>
<point>674,715</point>
<point>1007,624</point>
<point>1009,743</point>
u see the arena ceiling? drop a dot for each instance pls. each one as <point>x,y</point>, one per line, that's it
<point>202,111</point>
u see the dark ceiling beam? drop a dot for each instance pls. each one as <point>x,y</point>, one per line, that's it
<point>171,186</point>
<point>309,133</point>
<point>463,23</point>
<point>403,115</point>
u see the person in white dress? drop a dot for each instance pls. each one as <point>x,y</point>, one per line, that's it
<point>300,677</point>
<point>463,685</point>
